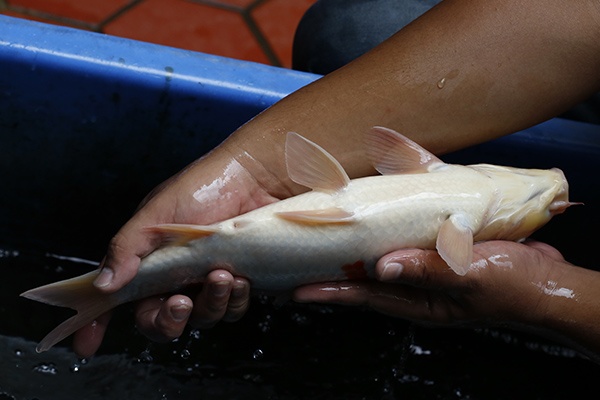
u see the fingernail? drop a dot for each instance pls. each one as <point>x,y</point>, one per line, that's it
<point>104,278</point>
<point>180,312</point>
<point>391,271</point>
<point>238,290</point>
<point>219,289</point>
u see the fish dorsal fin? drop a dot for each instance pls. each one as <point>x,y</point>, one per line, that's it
<point>392,153</point>
<point>455,244</point>
<point>327,216</point>
<point>308,164</point>
<point>179,234</point>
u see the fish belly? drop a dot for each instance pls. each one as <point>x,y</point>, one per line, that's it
<point>390,213</point>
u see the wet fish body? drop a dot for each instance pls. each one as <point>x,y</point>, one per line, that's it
<point>338,230</point>
<point>278,253</point>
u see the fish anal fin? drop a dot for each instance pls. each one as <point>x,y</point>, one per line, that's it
<point>318,217</point>
<point>393,153</point>
<point>308,164</point>
<point>179,234</point>
<point>455,244</point>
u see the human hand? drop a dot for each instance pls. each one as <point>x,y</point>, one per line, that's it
<point>214,188</point>
<point>505,285</point>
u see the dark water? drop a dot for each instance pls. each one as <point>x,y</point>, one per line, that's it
<point>292,352</point>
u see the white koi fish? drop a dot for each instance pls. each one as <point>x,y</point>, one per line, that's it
<point>337,231</point>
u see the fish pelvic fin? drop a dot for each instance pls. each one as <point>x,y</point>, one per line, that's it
<point>78,294</point>
<point>455,244</point>
<point>180,234</point>
<point>318,217</point>
<point>308,164</point>
<point>392,153</point>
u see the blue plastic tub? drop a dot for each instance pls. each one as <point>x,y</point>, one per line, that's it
<point>90,123</point>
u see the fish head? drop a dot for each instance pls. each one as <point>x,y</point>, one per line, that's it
<point>525,200</point>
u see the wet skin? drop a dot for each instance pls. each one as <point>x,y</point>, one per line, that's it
<point>525,286</point>
<point>506,72</point>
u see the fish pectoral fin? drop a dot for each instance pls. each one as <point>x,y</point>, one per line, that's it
<point>392,153</point>
<point>318,217</point>
<point>455,244</point>
<point>178,234</point>
<point>308,164</point>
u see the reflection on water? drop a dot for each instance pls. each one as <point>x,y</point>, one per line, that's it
<point>292,352</point>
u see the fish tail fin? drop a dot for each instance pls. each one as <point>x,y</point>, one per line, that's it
<point>78,294</point>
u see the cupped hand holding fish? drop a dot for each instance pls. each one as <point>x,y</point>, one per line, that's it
<point>214,188</point>
<point>502,286</point>
<point>525,286</point>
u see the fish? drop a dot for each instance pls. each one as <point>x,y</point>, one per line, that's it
<point>337,230</point>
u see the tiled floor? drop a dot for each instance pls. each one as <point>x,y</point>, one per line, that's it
<point>254,30</point>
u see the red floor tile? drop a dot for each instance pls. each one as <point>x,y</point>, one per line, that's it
<point>91,11</point>
<point>212,26</point>
<point>188,25</point>
<point>35,18</point>
<point>277,20</point>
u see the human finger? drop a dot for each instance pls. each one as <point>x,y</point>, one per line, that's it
<point>239,300</point>
<point>88,339</point>
<point>388,298</point>
<point>163,320</point>
<point>123,257</point>
<point>546,249</point>
<point>417,267</point>
<point>211,302</point>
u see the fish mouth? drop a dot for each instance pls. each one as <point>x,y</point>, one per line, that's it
<point>561,201</point>
<point>559,206</point>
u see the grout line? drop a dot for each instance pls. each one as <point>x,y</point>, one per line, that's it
<point>246,14</point>
<point>117,14</point>
<point>258,35</point>
<point>218,4</point>
<point>74,23</point>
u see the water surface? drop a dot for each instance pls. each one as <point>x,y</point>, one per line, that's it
<point>292,352</point>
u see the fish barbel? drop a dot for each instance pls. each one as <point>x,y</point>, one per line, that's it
<point>338,230</point>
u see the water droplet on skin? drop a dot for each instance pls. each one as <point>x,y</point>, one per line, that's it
<point>441,83</point>
<point>74,368</point>
<point>18,353</point>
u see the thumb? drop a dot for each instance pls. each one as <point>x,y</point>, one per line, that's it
<point>123,257</point>
<point>415,267</point>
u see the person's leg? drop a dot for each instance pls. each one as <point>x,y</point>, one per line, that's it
<point>335,32</point>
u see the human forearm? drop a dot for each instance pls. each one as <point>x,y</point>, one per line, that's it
<point>464,73</point>
<point>571,311</point>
